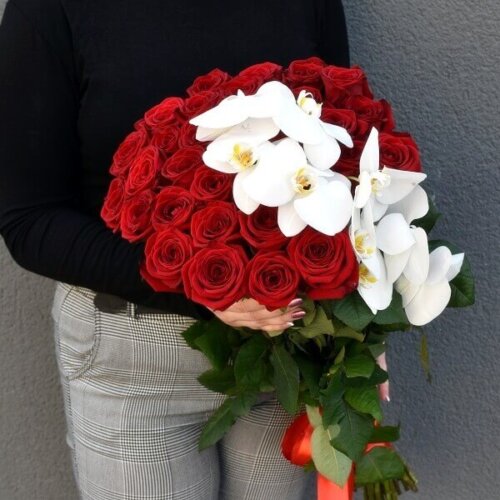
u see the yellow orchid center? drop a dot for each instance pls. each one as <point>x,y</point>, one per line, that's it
<point>242,157</point>
<point>308,104</point>
<point>362,244</point>
<point>303,181</point>
<point>366,278</point>
<point>379,181</point>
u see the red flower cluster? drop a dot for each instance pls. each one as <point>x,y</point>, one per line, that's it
<point>197,241</point>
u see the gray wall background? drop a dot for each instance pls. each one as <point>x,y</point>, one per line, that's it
<point>438,64</point>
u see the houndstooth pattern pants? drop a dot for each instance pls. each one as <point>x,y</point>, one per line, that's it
<point>135,410</point>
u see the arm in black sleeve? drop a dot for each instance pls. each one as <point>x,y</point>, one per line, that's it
<point>41,224</point>
<point>333,44</point>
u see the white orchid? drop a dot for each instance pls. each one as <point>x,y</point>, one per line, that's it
<point>425,301</point>
<point>381,187</point>
<point>303,194</point>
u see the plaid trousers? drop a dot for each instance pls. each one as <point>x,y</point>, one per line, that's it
<point>135,410</point>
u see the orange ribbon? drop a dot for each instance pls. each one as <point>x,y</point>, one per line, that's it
<point>296,447</point>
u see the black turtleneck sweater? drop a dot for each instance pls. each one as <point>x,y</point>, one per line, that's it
<point>74,77</point>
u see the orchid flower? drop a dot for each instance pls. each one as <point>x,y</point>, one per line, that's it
<point>237,151</point>
<point>382,187</point>
<point>303,194</point>
<point>424,302</point>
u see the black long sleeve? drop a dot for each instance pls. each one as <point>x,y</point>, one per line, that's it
<point>74,76</point>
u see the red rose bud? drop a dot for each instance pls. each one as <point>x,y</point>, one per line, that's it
<point>209,184</point>
<point>144,171</point>
<point>264,72</point>
<point>174,206</point>
<point>181,166</point>
<point>304,72</point>
<point>209,81</point>
<point>198,103</point>
<point>260,229</point>
<point>166,253</point>
<point>187,135</point>
<point>214,276</point>
<point>111,209</point>
<point>166,139</point>
<point>248,84</point>
<point>327,264</point>
<point>127,152</point>
<point>377,114</point>
<point>216,222</point>
<point>342,82</point>
<point>135,219</point>
<point>398,150</point>
<point>345,118</point>
<point>164,114</point>
<point>272,279</point>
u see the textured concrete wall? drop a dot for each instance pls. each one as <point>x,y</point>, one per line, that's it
<point>437,62</point>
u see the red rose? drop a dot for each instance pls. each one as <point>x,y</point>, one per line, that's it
<point>348,163</point>
<point>260,229</point>
<point>264,72</point>
<point>135,219</point>
<point>342,82</point>
<point>166,253</point>
<point>304,72</point>
<point>248,84</point>
<point>127,152</point>
<point>198,103</point>
<point>316,93</point>
<point>377,113</point>
<point>398,150</point>
<point>180,167</point>
<point>166,139</point>
<point>144,171</point>
<point>111,209</point>
<point>272,279</point>
<point>345,118</point>
<point>209,184</point>
<point>164,114</point>
<point>327,264</point>
<point>214,275</point>
<point>209,81</point>
<point>187,135</point>
<point>216,222</point>
<point>174,206</point>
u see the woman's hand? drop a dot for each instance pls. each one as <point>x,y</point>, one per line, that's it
<point>249,313</point>
<point>383,389</point>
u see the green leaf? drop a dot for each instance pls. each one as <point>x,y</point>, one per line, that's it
<point>193,332</point>
<point>217,425</point>
<point>428,221</point>
<point>242,403</point>
<point>331,400</point>
<point>424,357</point>
<point>385,434</point>
<point>378,377</point>
<point>309,306</point>
<point>285,378</point>
<point>394,314</point>
<point>330,462</point>
<point>249,365</point>
<point>319,325</point>
<point>365,400</point>
<point>378,465</point>
<point>353,311</point>
<point>462,286</point>
<point>359,366</point>
<point>218,380</point>
<point>347,332</point>
<point>311,373</point>
<point>213,344</point>
<point>354,433</point>
<point>313,415</point>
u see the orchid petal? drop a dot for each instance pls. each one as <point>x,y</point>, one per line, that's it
<point>378,209</point>
<point>395,264</point>
<point>428,303</point>
<point>417,268</point>
<point>213,161</point>
<point>339,133</point>
<point>298,125</point>
<point>209,134</point>
<point>289,221</point>
<point>363,190</point>
<point>251,131</point>
<point>402,183</point>
<point>413,206</point>
<point>378,295</point>
<point>456,264</point>
<point>370,160</point>
<point>230,111</point>
<point>439,265</point>
<point>406,289</point>
<point>394,236</point>
<point>241,198</point>
<point>327,209</point>
<point>324,154</point>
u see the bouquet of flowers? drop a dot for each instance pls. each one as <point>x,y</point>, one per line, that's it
<point>284,182</point>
